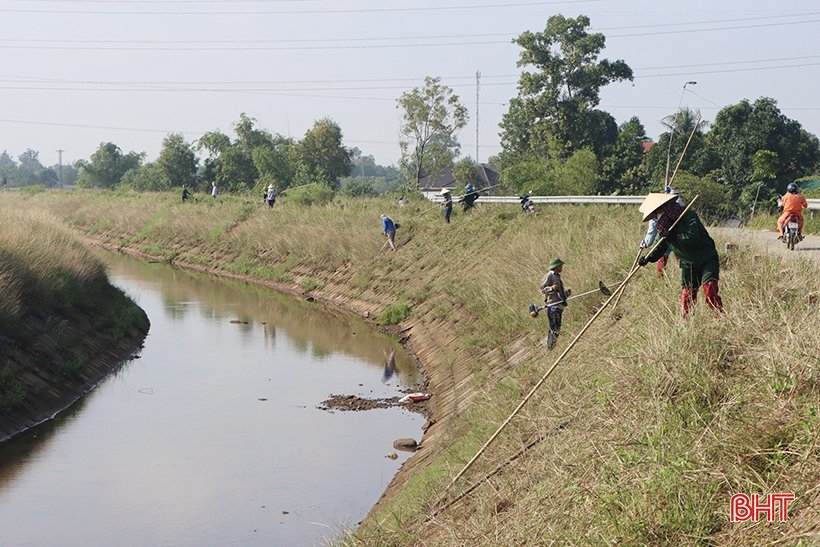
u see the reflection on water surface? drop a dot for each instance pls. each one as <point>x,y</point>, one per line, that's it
<point>212,436</point>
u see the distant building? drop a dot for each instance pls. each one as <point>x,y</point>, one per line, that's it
<point>431,185</point>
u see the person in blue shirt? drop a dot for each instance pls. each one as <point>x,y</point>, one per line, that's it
<point>389,229</point>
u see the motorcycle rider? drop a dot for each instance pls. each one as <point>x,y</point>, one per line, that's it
<point>793,203</point>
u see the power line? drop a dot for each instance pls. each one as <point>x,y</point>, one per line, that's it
<point>311,46</point>
<point>64,85</point>
<point>210,41</point>
<point>298,11</point>
<point>468,79</point>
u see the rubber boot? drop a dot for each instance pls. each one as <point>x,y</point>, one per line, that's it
<point>711,291</point>
<point>688,297</point>
<point>661,265</point>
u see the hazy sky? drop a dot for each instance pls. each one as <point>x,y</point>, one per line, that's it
<point>75,74</point>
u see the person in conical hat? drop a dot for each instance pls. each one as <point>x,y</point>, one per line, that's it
<point>652,232</point>
<point>691,243</point>
<point>653,201</point>
<point>448,204</point>
<point>270,197</point>
<point>555,298</point>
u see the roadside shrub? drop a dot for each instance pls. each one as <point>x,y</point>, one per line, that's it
<point>313,194</point>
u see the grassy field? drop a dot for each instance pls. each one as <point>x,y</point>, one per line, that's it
<point>640,437</point>
<point>57,310</point>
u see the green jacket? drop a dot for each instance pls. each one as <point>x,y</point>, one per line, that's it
<point>690,242</point>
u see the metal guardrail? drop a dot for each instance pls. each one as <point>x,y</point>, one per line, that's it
<point>566,199</point>
<point>814,204</point>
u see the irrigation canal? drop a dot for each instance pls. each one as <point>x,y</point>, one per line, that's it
<point>213,435</point>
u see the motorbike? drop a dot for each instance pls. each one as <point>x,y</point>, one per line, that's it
<point>527,204</point>
<point>791,236</point>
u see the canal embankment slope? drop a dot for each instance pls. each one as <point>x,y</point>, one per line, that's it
<point>645,430</point>
<point>63,326</point>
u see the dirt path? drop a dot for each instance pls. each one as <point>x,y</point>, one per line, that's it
<point>808,248</point>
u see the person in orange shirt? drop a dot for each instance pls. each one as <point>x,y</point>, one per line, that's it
<point>793,202</point>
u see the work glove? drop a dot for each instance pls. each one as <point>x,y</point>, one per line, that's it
<point>642,244</point>
<point>642,261</point>
<point>568,292</point>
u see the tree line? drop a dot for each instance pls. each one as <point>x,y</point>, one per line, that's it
<point>247,161</point>
<point>554,138</point>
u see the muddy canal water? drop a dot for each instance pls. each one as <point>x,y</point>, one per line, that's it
<point>212,436</point>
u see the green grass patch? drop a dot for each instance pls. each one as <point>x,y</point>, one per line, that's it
<point>393,314</point>
<point>309,284</point>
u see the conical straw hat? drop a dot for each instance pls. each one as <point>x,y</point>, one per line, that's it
<point>653,202</point>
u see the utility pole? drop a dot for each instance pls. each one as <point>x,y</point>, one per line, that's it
<point>60,171</point>
<point>672,133</point>
<point>477,87</point>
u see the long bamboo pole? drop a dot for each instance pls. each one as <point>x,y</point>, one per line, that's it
<point>635,263</point>
<point>560,358</point>
<point>692,134</point>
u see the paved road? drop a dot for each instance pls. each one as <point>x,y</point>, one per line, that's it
<point>809,247</point>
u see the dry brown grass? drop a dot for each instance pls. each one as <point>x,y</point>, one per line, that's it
<point>649,424</point>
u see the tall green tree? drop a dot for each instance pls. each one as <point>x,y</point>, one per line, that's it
<point>578,174</point>
<point>465,172</point>
<point>671,151</point>
<point>231,163</point>
<point>177,162</point>
<point>8,168</point>
<point>106,166</point>
<point>248,136</point>
<point>367,177</point>
<point>621,168</point>
<point>741,130</point>
<point>214,143</point>
<point>554,113</point>
<point>145,178</point>
<point>431,117</point>
<point>322,153</point>
<point>31,171</point>
<point>274,162</point>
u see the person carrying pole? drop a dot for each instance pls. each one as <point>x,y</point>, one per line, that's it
<point>469,198</point>
<point>448,204</point>
<point>691,243</point>
<point>652,233</point>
